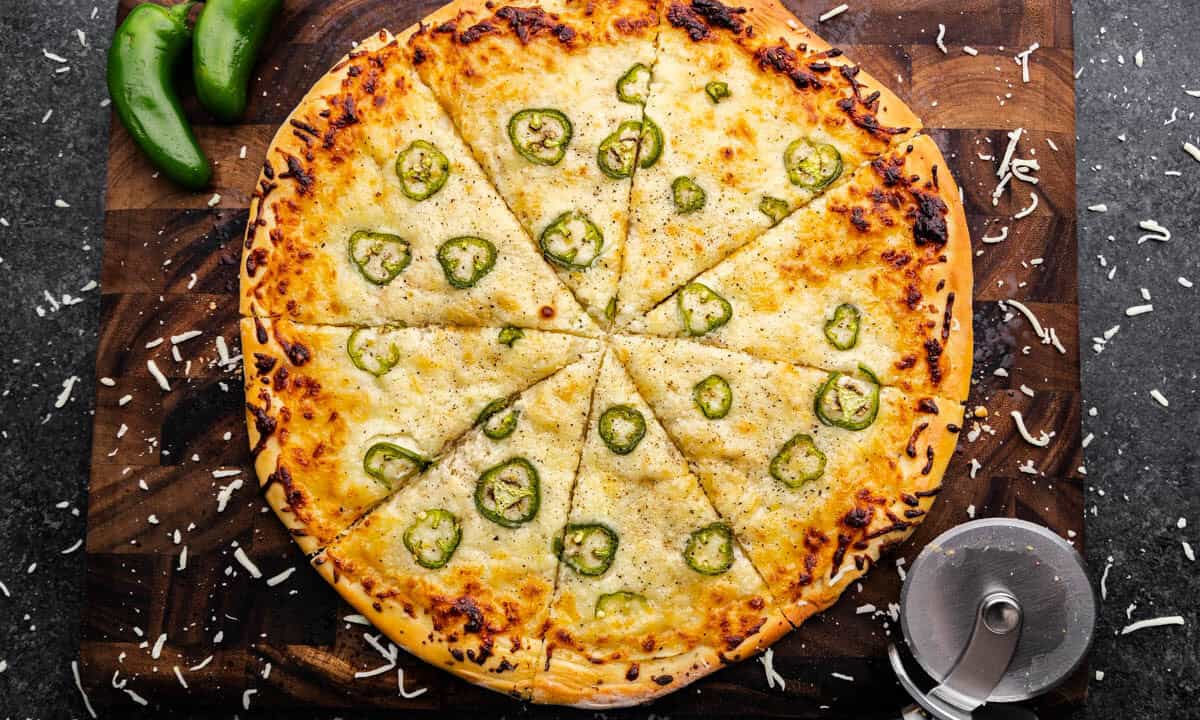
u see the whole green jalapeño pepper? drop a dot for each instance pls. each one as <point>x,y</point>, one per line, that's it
<point>143,55</point>
<point>509,494</point>
<point>229,34</point>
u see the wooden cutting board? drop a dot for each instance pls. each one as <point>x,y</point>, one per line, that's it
<point>171,265</point>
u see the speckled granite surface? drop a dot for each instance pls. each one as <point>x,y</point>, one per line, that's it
<point>1143,465</point>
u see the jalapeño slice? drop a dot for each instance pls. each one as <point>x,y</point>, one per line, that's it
<point>433,537</point>
<point>811,164</point>
<point>389,463</point>
<point>509,335</point>
<point>610,310</point>
<point>497,419</point>
<point>651,146</point>
<point>717,91</point>
<point>372,350</point>
<point>688,196</point>
<point>848,402</point>
<point>622,427</point>
<point>572,241</point>
<point>587,548</point>
<point>702,309</point>
<point>842,329</point>
<point>798,461</point>
<point>621,602</point>
<point>380,257</point>
<point>509,494</point>
<point>713,396</point>
<point>774,208</point>
<point>709,550</point>
<point>634,85</point>
<point>422,169</point>
<point>618,152</point>
<point>466,259</point>
<point>540,135</point>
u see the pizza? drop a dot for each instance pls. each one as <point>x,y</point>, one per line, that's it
<point>594,345</point>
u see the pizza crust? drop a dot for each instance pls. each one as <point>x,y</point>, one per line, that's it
<point>575,680</point>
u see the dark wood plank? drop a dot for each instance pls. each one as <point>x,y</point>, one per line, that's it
<point>170,265</point>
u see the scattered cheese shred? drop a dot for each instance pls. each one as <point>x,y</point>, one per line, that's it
<point>1192,150</point>
<point>1159,398</point>
<point>158,376</point>
<point>407,695</point>
<point>240,555</point>
<point>768,662</point>
<point>1158,232</point>
<point>79,686</point>
<point>1138,310</point>
<point>941,38</point>
<point>1152,623</point>
<point>1041,441</point>
<point>1027,211</point>
<point>970,50</point>
<point>831,14</point>
<point>993,239</point>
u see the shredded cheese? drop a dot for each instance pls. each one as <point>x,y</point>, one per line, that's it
<point>768,662</point>
<point>831,14</point>
<point>1041,441</point>
<point>1152,623</point>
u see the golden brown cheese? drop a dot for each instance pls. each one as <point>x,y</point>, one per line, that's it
<point>893,242</point>
<point>313,414</point>
<point>488,62</point>
<point>785,85</point>
<point>332,173</point>
<point>481,612</point>
<point>808,542</point>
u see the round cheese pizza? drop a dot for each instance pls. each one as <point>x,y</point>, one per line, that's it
<point>592,345</point>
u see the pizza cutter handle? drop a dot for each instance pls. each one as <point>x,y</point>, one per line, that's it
<point>980,667</point>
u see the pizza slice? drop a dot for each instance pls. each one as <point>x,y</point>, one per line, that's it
<point>815,471</point>
<point>653,591</point>
<point>549,95</point>
<point>370,210</point>
<point>457,568</point>
<point>758,115</point>
<point>341,417</point>
<point>877,272</point>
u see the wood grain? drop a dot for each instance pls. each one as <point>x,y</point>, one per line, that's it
<point>170,265</point>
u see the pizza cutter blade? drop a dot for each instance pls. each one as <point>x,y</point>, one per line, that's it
<point>996,611</point>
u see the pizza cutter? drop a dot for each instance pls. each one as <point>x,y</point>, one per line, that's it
<point>995,611</point>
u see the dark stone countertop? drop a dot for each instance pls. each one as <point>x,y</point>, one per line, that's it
<point>1144,463</point>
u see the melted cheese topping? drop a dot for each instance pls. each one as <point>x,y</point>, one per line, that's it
<point>329,412</point>
<point>733,149</point>
<point>494,590</point>
<point>484,83</point>
<point>773,402</point>
<point>653,502</point>
<point>305,271</point>
<point>852,246</point>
